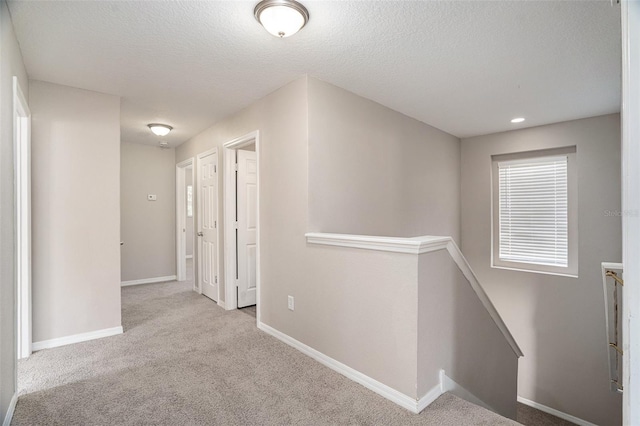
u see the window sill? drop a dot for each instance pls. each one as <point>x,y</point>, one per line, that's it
<point>534,271</point>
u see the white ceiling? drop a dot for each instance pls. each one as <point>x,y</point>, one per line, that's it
<point>466,67</point>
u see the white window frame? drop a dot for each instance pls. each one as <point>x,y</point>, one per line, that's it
<point>571,269</point>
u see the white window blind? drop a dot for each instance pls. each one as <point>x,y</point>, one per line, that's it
<point>533,211</point>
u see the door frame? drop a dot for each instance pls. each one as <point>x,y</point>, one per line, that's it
<point>630,13</point>
<point>198,222</point>
<point>231,300</point>
<point>22,170</point>
<point>181,219</point>
<point>242,256</point>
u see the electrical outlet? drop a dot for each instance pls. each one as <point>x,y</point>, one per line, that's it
<point>290,303</point>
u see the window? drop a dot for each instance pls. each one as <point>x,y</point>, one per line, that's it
<point>189,201</point>
<point>534,212</point>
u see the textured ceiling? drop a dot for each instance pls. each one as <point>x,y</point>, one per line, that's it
<point>466,67</point>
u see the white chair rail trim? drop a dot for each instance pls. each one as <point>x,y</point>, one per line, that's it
<point>416,246</point>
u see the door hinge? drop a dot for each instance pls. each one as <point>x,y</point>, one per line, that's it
<point>235,167</point>
<point>236,225</point>
<point>216,279</point>
<point>215,223</point>
<point>215,169</point>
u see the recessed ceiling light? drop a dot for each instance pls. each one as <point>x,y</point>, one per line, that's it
<point>282,18</point>
<point>517,120</point>
<point>160,129</point>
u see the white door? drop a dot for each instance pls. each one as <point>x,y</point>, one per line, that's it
<point>208,221</point>
<point>247,220</point>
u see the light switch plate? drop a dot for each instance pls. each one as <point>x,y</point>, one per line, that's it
<point>290,303</point>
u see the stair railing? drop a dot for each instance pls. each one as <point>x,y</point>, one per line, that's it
<point>613,285</point>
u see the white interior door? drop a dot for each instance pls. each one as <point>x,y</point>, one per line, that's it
<point>247,212</point>
<point>208,221</point>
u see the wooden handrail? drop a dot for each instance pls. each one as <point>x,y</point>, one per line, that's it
<point>615,276</point>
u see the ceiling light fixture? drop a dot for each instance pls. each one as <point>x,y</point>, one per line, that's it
<point>282,18</point>
<point>517,120</point>
<point>160,129</point>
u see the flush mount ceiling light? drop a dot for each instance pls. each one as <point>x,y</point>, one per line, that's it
<point>160,129</point>
<point>517,120</point>
<point>282,18</point>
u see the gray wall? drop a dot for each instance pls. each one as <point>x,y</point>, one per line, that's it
<point>359,307</point>
<point>76,210</point>
<point>558,321</point>
<point>281,118</point>
<point>10,64</point>
<point>374,171</point>
<point>382,322</point>
<point>148,228</point>
<point>457,334</point>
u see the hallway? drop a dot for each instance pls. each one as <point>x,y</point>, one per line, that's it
<point>184,360</point>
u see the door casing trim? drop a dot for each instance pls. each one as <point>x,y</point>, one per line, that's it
<point>231,301</point>
<point>23,231</point>
<point>181,220</point>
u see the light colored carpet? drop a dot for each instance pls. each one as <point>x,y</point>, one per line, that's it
<point>249,310</point>
<point>185,361</point>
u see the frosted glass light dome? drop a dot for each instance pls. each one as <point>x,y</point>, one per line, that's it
<point>282,18</point>
<point>160,129</point>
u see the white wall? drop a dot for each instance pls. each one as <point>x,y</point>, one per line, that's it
<point>11,64</point>
<point>148,228</point>
<point>76,210</point>
<point>558,321</point>
<point>374,171</point>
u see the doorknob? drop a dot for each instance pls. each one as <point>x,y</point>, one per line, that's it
<point>200,234</point>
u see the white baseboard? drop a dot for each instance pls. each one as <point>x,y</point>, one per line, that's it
<point>429,397</point>
<point>148,280</point>
<point>555,412</point>
<point>76,338</point>
<point>10,410</point>
<point>381,389</point>
<point>189,256</point>
<point>221,304</point>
